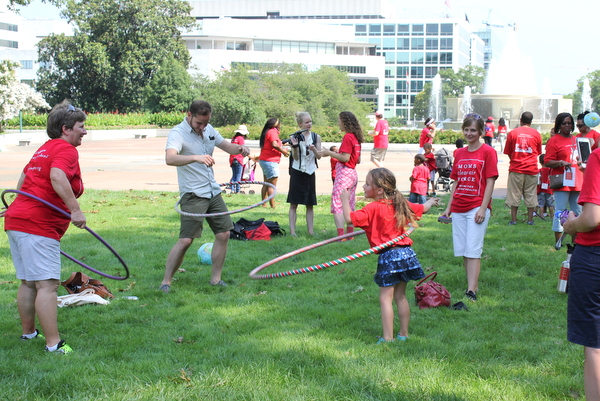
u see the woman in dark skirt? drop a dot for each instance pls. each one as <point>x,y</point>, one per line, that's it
<point>306,146</point>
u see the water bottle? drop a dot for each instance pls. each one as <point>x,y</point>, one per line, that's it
<point>563,276</point>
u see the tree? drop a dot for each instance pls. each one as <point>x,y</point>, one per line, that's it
<point>170,88</point>
<point>16,96</point>
<point>128,38</point>
<point>594,80</point>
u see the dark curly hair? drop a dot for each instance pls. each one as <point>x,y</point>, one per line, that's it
<point>351,124</point>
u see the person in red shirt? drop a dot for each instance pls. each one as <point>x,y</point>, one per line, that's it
<point>271,149</point>
<point>523,146</point>
<point>587,132</point>
<point>34,230</point>
<point>490,128</point>
<point>383,220</point>
<point>419,181</point>
<point>544,192</point>
<point>346,176</point>
<point>502,132</point>
<point>380,140</point>
<point>333,162</point>
<point>237,161</point>
<point>560,157</point>
<point>427,134</point>
<point>474,172</point>
<point>583,310</point>
<point>430,164</point>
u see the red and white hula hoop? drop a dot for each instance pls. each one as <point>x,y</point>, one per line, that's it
<point>253,274</point>
<point>178,210</point>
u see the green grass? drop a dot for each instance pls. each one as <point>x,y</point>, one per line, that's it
<point>308,337</point>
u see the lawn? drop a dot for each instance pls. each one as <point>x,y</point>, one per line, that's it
<point>307,337</point>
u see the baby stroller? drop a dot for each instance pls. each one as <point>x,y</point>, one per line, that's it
<point>443,161</point>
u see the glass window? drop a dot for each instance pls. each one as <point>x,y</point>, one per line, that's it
<point>389,29</point>
<point>389,72</point>
<point>389,57</point>
<point>389,44</point>
<point>375,41</point>
<point>431,58</point>
<point>401,72</point>
<point>432,29</point>
<point>27,64</point>
<point>401,86</point>
<point>303,48</point>
<point>416,72</point>
<point>374,29</point>
<point>417,29</point>
<point>431,43</point>
<point>416,86</point>
<point>430,72</point>
<point>360,30</point>
<point>389,85</point>
<point>417,43</point>
<point>403,30</point>
<point>417,57</point>
<point>446,30</point>
<point>403,43</point>
<point>446,44</point>
<point>389,100</point>
<point>402,57</point>
<point>445,58</point>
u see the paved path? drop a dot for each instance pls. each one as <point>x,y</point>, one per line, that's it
<point>121,164</point>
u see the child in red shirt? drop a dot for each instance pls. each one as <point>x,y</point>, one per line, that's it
<point>383,220</point>
<point>430,164</point>
<point>419,180</point>
<point>333,162</point>
<point>544,192</point>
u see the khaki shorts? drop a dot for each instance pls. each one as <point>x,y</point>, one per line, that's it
<point>191,227</point>
<point>378,154</point>
<point>35,258</point>
<point>521,185</point>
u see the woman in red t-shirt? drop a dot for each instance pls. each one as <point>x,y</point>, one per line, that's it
<point>34,230</point>
<point>474,172</point>
<point>583,311</point>
<point>237,161</point>
<point>346,176</point>
<point>271,149</point>
<point>560,157</point>
<point>502,132</point>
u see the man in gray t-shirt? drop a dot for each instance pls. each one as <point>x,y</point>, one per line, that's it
<point>190,147</point>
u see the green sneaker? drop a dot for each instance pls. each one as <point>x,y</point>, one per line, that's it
<point>63,348</point>
<point>37,335</point>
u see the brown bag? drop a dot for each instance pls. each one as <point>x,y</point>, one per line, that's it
<point>79,282</point>
<point>556,180</point>
<point>431,294</point>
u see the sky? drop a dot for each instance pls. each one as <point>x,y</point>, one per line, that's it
<point>557,39</point>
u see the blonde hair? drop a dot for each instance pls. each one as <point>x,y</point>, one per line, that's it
<point>301,115</point>
<point>385,179</point>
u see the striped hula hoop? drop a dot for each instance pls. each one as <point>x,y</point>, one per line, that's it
<point>178,210</point>
<point>254,273</point>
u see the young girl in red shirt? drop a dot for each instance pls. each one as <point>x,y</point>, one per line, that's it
<point>383,220</point>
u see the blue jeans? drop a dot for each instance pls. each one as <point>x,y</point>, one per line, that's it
<point>417,198</point>
<point>236,170</point>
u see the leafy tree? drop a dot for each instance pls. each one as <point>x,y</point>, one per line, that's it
<point>594,80</point>
<point>420,109</point>
<point>16,96</point>
<point>170,89</point>
<point>129,38</point>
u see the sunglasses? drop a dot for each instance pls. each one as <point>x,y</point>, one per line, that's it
<point>580,125</point>
<point>473,116</point>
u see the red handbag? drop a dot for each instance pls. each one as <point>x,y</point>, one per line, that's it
<point>429,294</point>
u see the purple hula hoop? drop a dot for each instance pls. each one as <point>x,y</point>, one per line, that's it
<point>99,238</point>
<point>254,273</point>
<point>178,210</point>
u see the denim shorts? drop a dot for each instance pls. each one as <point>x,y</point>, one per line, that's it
<point>270,169</point>
<point>583,311</point>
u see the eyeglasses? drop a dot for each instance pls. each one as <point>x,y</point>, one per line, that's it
<point>473,116</point>
<point>567,123</point>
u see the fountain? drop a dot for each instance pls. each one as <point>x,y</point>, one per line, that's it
<point>436,100</point>
<point>586,95</point>
<point>509,91</point>
<point>466,107</point>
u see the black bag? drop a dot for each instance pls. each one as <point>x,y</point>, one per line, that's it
<point>275,228</point>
